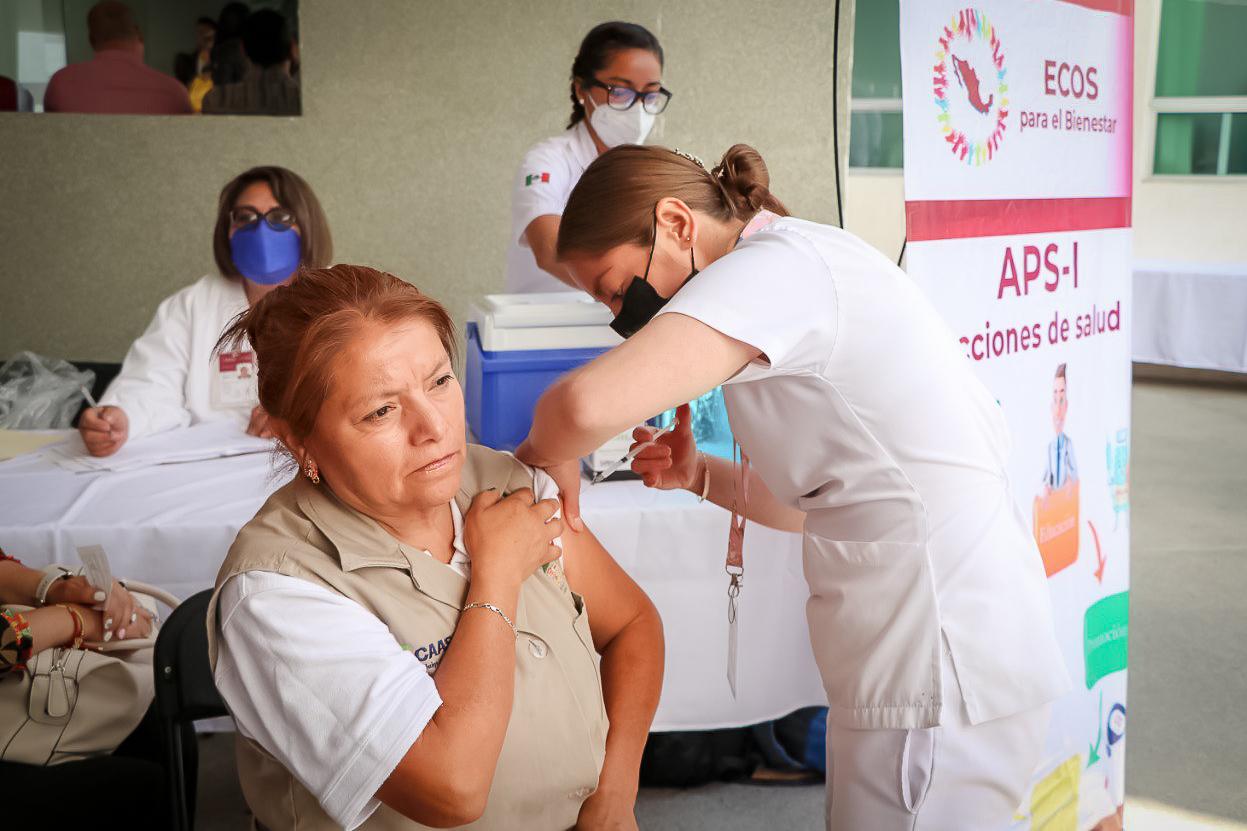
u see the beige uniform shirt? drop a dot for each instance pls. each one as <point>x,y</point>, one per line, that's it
<point>556,740</point>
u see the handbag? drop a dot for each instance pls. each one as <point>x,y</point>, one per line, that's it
<point>73,704</point>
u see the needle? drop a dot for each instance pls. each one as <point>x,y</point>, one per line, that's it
<point>632,454</point>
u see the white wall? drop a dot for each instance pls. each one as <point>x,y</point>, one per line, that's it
<point>1194,218</point>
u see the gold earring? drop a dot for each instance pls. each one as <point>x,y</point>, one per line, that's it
<point>311,472</point>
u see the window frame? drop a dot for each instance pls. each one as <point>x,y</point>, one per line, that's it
<point>1224,105</point>
<point>874,105</point>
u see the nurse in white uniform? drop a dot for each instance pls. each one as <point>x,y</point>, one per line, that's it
<point>269,222</point>
<point>862,426</point>
<point>617,92</point>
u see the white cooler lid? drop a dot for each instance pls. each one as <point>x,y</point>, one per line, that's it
<point>542,320</point>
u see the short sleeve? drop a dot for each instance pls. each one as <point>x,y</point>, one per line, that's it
<point>541,187</point>
<point>774,292</point>
<point>322,685</point>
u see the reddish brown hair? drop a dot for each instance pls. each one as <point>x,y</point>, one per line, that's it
<point>292,193</point>
<point>297,330</point>
<point>613,203</point>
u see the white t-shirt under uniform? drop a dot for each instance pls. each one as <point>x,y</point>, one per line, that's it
<point>323,685</point>
<point>864,413</point>
<point>542,186</point>
<point>171,378</point>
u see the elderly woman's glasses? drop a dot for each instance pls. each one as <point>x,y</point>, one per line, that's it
<point>622,98</point>
<point>279,219</point>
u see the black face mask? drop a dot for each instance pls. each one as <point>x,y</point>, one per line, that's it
<point>640,301</point>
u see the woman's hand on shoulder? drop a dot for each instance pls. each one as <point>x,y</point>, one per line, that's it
<point>511,537</point>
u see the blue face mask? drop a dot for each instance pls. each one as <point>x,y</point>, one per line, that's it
<point>264,255</point>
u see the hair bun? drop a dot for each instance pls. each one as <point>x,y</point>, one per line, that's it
<point>745,180</point>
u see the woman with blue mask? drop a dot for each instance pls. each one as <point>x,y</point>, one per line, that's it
<point>617,94</point>
<point>269,222</point>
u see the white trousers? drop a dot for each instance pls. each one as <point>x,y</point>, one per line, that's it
<point>954,777</point>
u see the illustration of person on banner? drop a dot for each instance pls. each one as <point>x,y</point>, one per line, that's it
<point>1062,466</point>
<point>1056,509</point>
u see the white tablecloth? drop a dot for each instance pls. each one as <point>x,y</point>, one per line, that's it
<point>1191,314</point>
<point>171,525</point>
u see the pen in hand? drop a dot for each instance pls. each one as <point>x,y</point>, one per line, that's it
<point>633,453</point>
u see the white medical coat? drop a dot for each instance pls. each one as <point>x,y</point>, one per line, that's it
<point>171,378</point>
<point>551,168</point>
<point>865,414</point>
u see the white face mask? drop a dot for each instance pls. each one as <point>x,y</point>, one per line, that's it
<point>616,127</point>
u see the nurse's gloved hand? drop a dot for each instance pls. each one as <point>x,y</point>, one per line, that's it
<point>104,429</point>
<point>672,462</point>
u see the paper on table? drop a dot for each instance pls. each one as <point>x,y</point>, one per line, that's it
<point>17,442</point>
<point>212,440</point>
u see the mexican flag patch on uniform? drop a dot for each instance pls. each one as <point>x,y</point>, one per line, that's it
<point>536,177</point>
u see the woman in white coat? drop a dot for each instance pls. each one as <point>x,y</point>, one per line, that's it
<point>269,222</point>
<point>866,430</point>
<point>616,92</point>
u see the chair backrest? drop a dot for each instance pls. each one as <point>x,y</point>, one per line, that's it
<point>185,690</point>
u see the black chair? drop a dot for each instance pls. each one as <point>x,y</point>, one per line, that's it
<point>185,693</point>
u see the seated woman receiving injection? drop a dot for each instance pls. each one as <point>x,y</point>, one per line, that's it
<point>403,633</point>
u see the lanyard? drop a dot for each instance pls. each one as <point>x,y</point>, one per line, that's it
<point>735,565</point>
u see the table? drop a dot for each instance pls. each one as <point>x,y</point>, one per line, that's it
<point>1191,314</point>
<point>172,524</point>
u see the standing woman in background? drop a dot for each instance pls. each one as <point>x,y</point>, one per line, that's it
<point>868,433</point>
<point>269,222</point>
<point>617,92</point>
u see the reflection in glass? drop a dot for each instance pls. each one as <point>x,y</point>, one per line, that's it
<point>149,56</point>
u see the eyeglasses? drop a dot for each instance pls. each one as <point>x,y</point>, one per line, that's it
<point>279,219</point>
<point>622,98</point>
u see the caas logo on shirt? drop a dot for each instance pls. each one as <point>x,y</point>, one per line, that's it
<point>536,177</point>
<point>970,87</point>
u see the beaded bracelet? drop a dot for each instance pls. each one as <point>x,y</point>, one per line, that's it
<point>16,642</point>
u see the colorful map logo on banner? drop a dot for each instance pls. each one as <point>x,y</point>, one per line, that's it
<point>970,89</point>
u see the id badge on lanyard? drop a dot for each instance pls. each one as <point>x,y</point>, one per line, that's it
<point>735,565</point>
<point>234,384</point>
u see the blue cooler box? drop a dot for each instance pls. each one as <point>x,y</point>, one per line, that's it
<point>517,346</point>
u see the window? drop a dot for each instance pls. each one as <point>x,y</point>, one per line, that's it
<point>1201,88</point>
<point>875,109</point>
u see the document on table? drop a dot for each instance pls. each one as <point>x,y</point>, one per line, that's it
<point>212,440</point>
<point>18,442</point>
